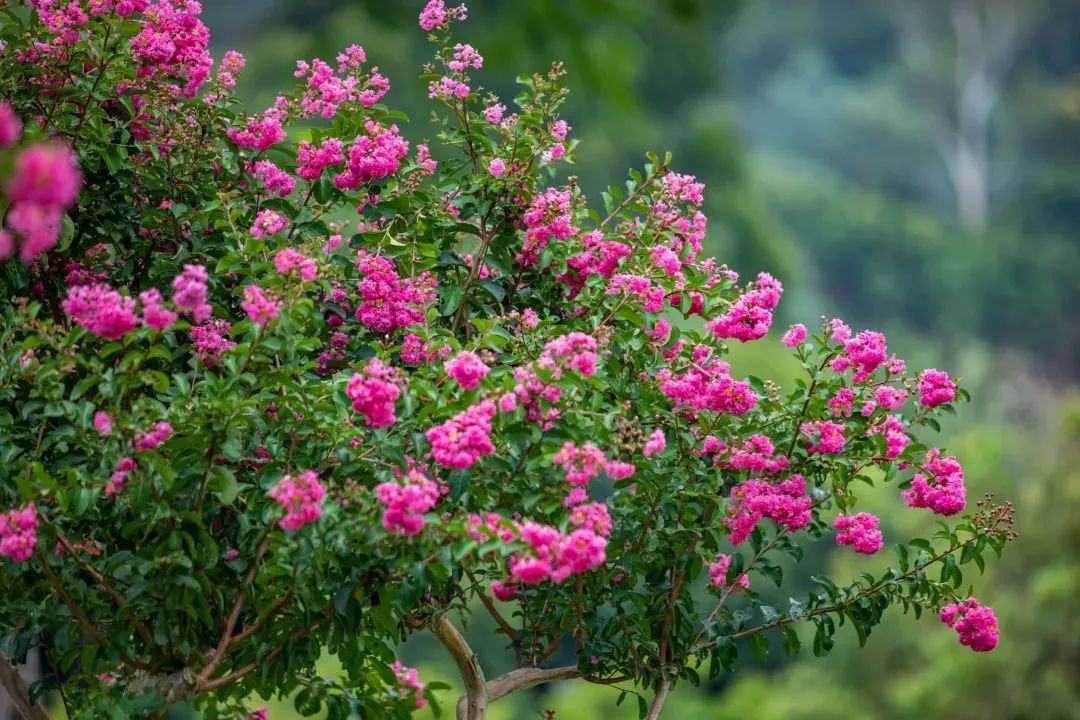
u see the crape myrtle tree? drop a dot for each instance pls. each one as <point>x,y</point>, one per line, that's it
<point>264,400</point>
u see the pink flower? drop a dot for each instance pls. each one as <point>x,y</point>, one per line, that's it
<point>44,174</point>
<point>494,114</point>
<point>406,503</point>
<point>258,306</point>
<point>155,314</point>
<point>708,386</point>
<point>508,402</point>
<point>154,437</point>
<point>860,531</point>
<point>497,167</point>
<point>866,351</point>
<point>388,301</point>
<point>549,215</point>
<point>890,398</point>
<point>840,404</point>
<point>465,438</point>
<point>750,316</point>
<point>210,341</point>
<point>311,161</point>
<point>374,391</point>
<point>119,479</point>
<point>795,335</point>
<point>101,310</point>
<point>273,178</point>
<point>655,445</point>
<point>189,292</point>
<point>786,504</point>
<point>18,533</point>
<point>103,423</point>
<point>579,464</point>
<point>503,591</point>
<point>409,680</point>
<point>940,487</point>
<point>372,156</point>
<point>436,15</point>
<point>260,714</point>
<point>37,225</point>
<point>467,369</point>
<point>10,125</point>
<point>718,573</point>
<point>935,388</point>
<point>895,438</point>
<point>824,436</point>
<point>173,43</point>
<point>301,497</point>
<point>976,624</point>
<point>268,223</point>
<point>289,260</point>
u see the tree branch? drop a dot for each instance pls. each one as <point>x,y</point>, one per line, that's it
<point>473,705</point>
<point>662,688</point>
<point>13,682</point>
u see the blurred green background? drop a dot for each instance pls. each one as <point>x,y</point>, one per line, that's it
<point>909,165</point>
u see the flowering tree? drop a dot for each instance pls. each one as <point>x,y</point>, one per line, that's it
<point>237,436</point>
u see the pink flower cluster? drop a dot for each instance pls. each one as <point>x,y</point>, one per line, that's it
<point>311,161</point>
<point>599,257</point>
<point>824,436</point>
<point>44,183</point>
<point>707,387</point>
<point>939,487</point>
<point>935,388</point>
<point>860,531</point>
<point>231,65</point>
<point>327,90</point>
<point>718,573</point>
<point>260,308</point>
<point>655,444</point>
<point>155,314</point>
<point>465,438</point>
<point>153,437</point>
<point>375,155</point>
<point>651,296</point>
<point>18,533</point>
<point>273,178</point>
<point>406,503</point>
<point>786,504</point>
<point>409,682</point>
<point>436,15</point>
<point>389,302</point>
<point>289,260</point>
<point>750,316</point>
<point>553,555</point>
<point>373,392</point>
<point>895,438</point>
<point>976,624</point>
<point>103,424</point>
<point>173,42</point>
<point>262,131</point>
<point>756,456</point>
<point>575,350</point>
<point>189,292</point>
<point>267,223</point>
<point>119,479</point>
<point>211,341</point>
<point>301,497</point>
<point>795,335</point>
<point>101,310</point>
<point>467,370</point>
<point>550,215</point>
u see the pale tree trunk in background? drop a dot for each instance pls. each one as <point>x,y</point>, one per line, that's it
<point>960,65</point>
<point>14,694</point>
